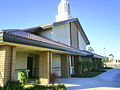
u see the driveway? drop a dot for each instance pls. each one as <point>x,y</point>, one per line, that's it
<point>109,80</point>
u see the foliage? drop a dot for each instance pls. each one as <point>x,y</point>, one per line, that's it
<point>16,85</point>
<point>53,78</point>
<point>107,68</point>
<point>90,74</point>
<point>85,64</point>
<point>13,85</point>
<point>90,49</point>
<point>105,59</point>
<point>47,87</point>
<point>22,77</point>
<point>100,70</point>
<point>1,88</point>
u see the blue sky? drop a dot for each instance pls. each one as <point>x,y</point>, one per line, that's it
<point>99,18</point>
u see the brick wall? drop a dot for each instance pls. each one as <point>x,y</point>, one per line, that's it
<point>7,64</point>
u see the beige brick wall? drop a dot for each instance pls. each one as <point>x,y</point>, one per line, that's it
<point>65,66</point>
<point>45,66</point>
<point>7,63</point>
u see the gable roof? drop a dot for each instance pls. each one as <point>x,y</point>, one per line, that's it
<point>54,24</point>
<point>25,38</point>
<point>21,37</point>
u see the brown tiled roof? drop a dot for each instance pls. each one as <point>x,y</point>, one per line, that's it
<point>21,33</point>
<point>92,54</point>
<point>26,35</point>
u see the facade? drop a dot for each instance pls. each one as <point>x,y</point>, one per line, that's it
<point>45,49</point>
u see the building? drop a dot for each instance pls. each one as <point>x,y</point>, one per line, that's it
<point>39,51</point>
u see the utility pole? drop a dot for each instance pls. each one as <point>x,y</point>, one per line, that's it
<point>104,51</point>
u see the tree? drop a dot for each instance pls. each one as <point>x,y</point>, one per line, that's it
<point>90,49</point>
<point>111,56</point>
<point>105,59</point>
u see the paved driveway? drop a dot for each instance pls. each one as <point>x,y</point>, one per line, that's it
<point>109,80</point>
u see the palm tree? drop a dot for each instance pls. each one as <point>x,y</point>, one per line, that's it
<point>112,56</point>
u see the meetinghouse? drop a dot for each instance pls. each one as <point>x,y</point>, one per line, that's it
<point>39,51</point>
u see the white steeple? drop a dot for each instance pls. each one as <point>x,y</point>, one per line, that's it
<point>63,11</point>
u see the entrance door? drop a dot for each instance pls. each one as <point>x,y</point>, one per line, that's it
<point>30,66</point>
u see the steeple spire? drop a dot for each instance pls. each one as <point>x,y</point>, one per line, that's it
<point>63,11</point>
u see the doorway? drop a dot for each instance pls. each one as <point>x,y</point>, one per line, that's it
<point>30,66</point>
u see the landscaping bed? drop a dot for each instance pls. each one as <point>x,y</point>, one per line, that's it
<point>90,74</point>
<point>107,68</point>
<point>14,85</point>
<point>36,87</point>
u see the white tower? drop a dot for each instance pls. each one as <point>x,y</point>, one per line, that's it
<point>63,11</point>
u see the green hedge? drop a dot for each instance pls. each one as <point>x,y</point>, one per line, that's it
<point>90,74</point>
<point>15,85</point>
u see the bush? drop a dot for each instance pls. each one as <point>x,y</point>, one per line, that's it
<point>61,87</point>
<point>22,77</point>
<point>98,70</point>
<point>13,85</point>
<point>1,88</point>
<point>47,87</point>
<point>16,85</point>
<point>85,65</point>
<point>53,78</point>
<point>107,68</point>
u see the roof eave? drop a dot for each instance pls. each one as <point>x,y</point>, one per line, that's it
<point>85,36</point>
<point>24,41</point>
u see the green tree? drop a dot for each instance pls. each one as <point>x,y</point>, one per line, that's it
<point>105,59</point>
<point>90,49</point>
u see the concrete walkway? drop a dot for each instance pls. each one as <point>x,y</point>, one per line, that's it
<point>109,80</point>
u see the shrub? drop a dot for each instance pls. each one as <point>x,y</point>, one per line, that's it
<point>98,70</point>
<point>47,87</point>
<point>13,85</point>
<point>22,77</point>
<point>53,78</point>
<point>107,68</point>
<point>61,87</point>
<point>85,65</point>
<point>1,88</point>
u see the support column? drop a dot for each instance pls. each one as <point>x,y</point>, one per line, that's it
<point>65,66</point>
<point>7,64</point>
<point>76,67</point>
<point>45,60</point>
<point>50,62</point>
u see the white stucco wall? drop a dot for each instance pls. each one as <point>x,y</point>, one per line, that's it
<point>61,33</point>
<point>47,33</point>
<point>82,44</point>
<point>56,64</point>
<point>21,61</point>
